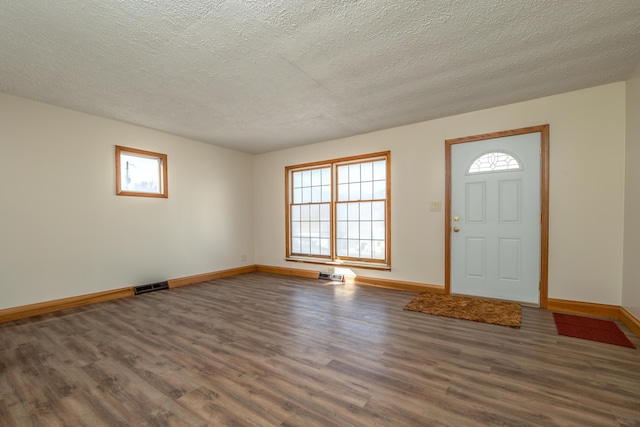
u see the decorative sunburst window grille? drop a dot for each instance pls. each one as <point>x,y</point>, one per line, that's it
<point>493,162</point>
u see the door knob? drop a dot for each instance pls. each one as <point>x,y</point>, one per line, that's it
<point>456,229</point>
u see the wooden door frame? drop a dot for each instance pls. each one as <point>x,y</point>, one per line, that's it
<point>544,202</point>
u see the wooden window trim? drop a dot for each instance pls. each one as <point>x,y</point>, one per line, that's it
<point>162,158</point>
<point>333,259</point>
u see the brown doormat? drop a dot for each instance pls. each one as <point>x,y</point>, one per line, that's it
<point>478,310</point>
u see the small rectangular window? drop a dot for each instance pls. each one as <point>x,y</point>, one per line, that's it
<point>338,211</point>
<point>140,173</point>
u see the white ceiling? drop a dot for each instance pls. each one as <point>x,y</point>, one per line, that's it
<point>263,75</point>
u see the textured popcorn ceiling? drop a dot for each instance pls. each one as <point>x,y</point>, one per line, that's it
<point>258,75</point>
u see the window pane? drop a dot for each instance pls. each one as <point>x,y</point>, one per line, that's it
<point>343,174</point>
<point>366,192</point>
<point>295,213</point>
<point>341,229</point>
<point>380,170</point>
<point>342,247</point>
<point>295,245</point>
<point>305,245</point>
<point>365,211</point>
<point>365,230</point>
<point>366,172</point>
<point>295,229</point>
<point>378,249</point>
<point>314,229</point>
<point>304,213</point>
<point>325,212</point>
<point>377,211</point>
<point>316,177</point>
<point>343,192</point>
<point>297,195</point>
<point>306,194</point>
<point>325,229</point>
<point>306,178</point>
<point>354,191</point>
<point>365,249</point>
<point>316,194</point>
<point>325,247</point>
<point>379,189</point>
<point>314,212</point>
<point>354,230</point>
<point>297,179</point>
<point>315,247</point>
<point>354,173</point>
<point>354,211</point>
<point>326,176</point>
<point>341,212</point>
<point>354,248</point>
<point>326,193</point>
<point>377,230</point>
<point>304,229</point>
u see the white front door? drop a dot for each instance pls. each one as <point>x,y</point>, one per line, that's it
<point>495,218</point>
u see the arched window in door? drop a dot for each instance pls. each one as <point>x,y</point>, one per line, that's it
<point>494,161</point>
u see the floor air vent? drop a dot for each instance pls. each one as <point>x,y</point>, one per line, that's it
<point>331,276</point>
<point>143,289</point>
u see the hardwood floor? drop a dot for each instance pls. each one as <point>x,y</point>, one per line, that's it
<point>263,350</point>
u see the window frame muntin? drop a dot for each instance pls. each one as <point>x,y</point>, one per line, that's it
<point>333,259</point>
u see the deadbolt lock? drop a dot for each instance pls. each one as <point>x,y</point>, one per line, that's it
<point>456,218</point>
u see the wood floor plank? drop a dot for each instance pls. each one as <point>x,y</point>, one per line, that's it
<point>268,350</point>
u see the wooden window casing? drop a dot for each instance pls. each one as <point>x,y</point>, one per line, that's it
<point>351,235</point>
<point>159,175</point>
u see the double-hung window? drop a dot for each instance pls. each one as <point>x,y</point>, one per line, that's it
<point>338,211</point>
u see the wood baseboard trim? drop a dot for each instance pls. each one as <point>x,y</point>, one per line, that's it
<point>358,280</point>
<point>580,307</point>
<point>22,312</point>
<point>630,320</point>
<point>298,272</point>
<point>602,310</point>
<point>205,277</point>
<point>31,310</point>
<point>397,284</point>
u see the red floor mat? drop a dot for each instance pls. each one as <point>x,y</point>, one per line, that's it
<point>591,329</point>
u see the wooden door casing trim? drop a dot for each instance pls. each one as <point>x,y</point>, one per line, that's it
<point>544,202</point>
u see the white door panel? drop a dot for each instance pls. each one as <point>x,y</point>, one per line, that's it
<point>496,251</point>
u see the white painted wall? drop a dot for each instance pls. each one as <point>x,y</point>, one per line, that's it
<point>587,184</point>
<point>631,272</point>
<point>64,232</point>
